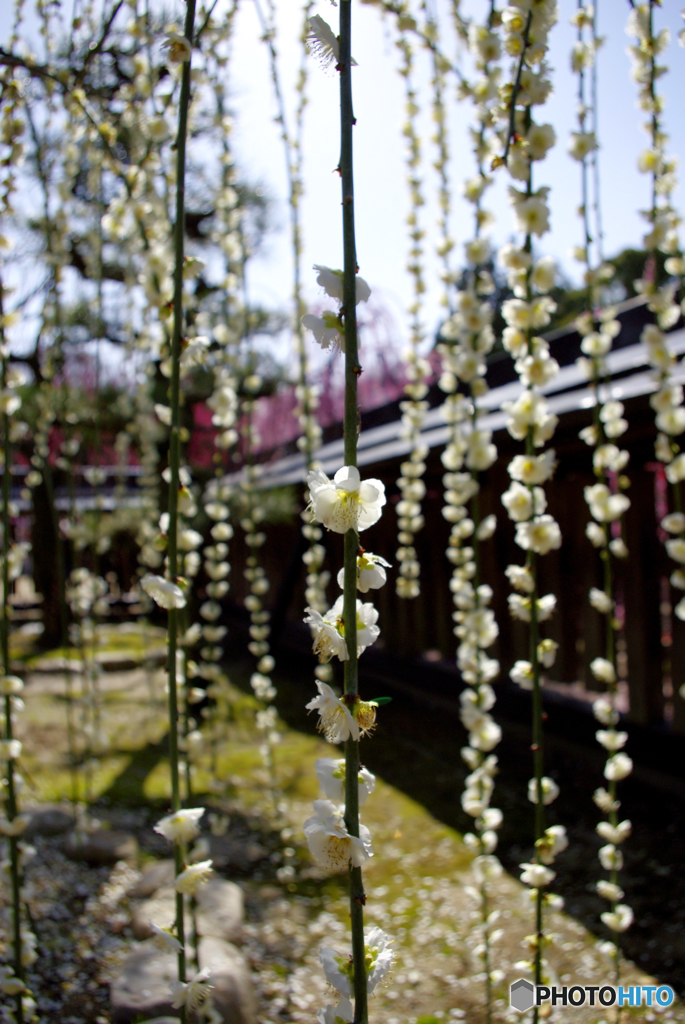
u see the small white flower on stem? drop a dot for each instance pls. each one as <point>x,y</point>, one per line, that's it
<point>620,919</point>
<point>10,686</point>
<point>323,42</point>
<point>326,329</point>
<point>486,869</point>
<point>536,875</point>
<point>10,750</point>
<point>550,790</point>
<point>552,843</point>
<point>9,983</point>
<point>332,283</point>
<point>340,1014</point>
<point>329,841</point>
<point>609,891</point>
<point>335,720</point>
<point>379,957</point>
<point>16,827</point>
<point>190,880</point>
<point>610,858</point>
<point>604,711</point>
<point>615,834</point>
<point>603,670</point>
<point>164,938</point>
<point>191,994</point>
<point>618,767</point>
<point>371,573</point>
<point>331,775</point>
<point>328,640</point>
<point>601,601</point>
<point>345,503</point>
<point>182,826</point>
<point>547,652</point>
<point>604,801</point>
<point>611,739</point>
<point>163,592</point>
<point>522,675</point>
<point>541,535</point>
<point>178,48</point>
<point>323,627</point>
<point>533,469</point>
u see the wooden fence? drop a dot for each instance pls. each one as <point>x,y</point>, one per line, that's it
<point>652,644</point>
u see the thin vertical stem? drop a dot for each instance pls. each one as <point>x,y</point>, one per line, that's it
<point>351,427</point>
<point>11,798</point>
<point>174,462</point>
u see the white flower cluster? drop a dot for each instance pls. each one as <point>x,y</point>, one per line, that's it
<point>12,827</point>
<point>182,827</point>
<point>613,831</point>
<point>526,27</point>
<point>663,236</point>
<point>343,504</point>
<point>414,407</point>
<point>339,971</point>
<point>466,339</point>
<point>662,218</point>
<point>584,145</point>
<point>329,328</point>
<point>334,848</point>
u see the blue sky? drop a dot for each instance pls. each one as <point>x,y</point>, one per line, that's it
<point>379,156</point>
<point>381,195</point>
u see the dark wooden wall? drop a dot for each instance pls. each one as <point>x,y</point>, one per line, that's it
<point>424,626</point>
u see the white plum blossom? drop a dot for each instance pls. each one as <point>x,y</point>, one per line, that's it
<point>603,670</point>
<point>601,601</point>
<point>181,826</point>
<point>379,961</point>
<point>194,876</point>
<point>342,1013</point>
<point>328,630</point>
<point>332,283</point>
<point>327,329</point>
<point>618,767</point>
<point>371,573</point>
<point>329,841</point>
<point>193,993</point>
<point>164,938</point>
<point>536,875</point>
<point>611,739</point>
<point>335,720</point>
<point>522,675</point>
<point>323,42</point>
<point>620,919</point>
<point>163,592</point>
<point>345,503</point>
<point>331,775</point>
<point>541,534</point>
<point>550,790</point>
<point>328,640</point>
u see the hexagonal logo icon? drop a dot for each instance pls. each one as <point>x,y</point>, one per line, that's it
<point>521,995</point>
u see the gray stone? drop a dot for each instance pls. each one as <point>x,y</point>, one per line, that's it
<point>219,912</point>
<point>161,909</point>
<point>143,988</point>
<point>50,821</point>
<point>105,846</point>
<point>235,854</point>
<point>154,876</point>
